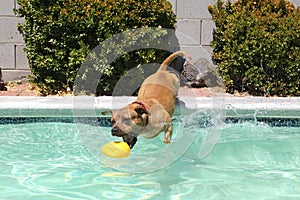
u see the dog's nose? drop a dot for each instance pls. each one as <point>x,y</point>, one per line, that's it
<point>115,131</point>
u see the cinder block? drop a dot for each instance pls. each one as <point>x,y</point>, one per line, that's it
<point>7,56</point>
<point>208,49</point>
<point>295,2</point>
<point>21,59</point>
<point>194,9</point>
<point>6,7</point>
<point>9,31</point>
<point>197,52</point>
<point>174,5</point>
<point>207,32</point>
<point>188,32</point>
<point>14,75</point>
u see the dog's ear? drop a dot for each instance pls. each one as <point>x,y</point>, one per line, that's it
<point>140,111</point>
<point>108,112</point>
<point>143,116</point>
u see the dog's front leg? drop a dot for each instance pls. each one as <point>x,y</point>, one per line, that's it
<point>168,133</point>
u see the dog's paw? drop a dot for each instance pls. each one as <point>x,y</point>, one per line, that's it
<point>166,140</point>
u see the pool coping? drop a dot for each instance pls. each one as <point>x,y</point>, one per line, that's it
<point>55,106</point>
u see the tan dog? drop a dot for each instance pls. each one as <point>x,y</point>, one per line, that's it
<point>152,112</point>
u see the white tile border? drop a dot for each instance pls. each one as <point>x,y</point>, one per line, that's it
<point>63,106</point>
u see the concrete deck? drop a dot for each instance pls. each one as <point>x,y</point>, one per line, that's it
<point>11,106</point>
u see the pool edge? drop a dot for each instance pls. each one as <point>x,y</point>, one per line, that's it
<point>11,106</point>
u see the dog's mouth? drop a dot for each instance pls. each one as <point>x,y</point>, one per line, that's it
<point>130,140</point>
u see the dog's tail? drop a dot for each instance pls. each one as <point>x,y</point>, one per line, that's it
<point>169,59</point>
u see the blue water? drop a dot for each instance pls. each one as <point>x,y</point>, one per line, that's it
<point>49,161</point>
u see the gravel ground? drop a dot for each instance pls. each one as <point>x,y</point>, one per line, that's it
<point>19,88</point>
<point>24,88</point>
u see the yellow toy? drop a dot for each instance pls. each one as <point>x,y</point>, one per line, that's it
<point>116,149</point>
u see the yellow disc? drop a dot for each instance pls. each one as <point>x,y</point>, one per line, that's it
<point>116,149</point>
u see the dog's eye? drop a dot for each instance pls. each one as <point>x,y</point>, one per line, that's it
<point>113,121</point>
<point>126,121</point>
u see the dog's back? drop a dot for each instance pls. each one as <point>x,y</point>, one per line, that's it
<point>163,85</point>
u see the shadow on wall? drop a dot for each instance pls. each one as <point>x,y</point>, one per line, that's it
<point>2,85</point>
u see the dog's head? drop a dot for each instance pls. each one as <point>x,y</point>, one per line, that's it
<point>129,122</point>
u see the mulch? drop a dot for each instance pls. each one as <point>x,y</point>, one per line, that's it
<point>19,89</point>
<point>27,89</point>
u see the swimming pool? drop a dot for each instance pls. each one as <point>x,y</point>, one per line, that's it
<point>257,156</point>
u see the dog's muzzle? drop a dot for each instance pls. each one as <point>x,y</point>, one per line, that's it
<point>115,131</point>
<point>130,139</point>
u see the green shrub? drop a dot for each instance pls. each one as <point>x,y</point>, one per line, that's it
<point>59,34</point>
<point>256,46</point>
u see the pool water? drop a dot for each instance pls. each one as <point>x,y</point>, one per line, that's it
<point>49,161</point>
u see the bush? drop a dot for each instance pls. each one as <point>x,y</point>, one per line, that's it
<point>59,34</point>
<point>256,46</point>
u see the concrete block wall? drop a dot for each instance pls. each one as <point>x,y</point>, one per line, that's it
<point>194,30</point>
<point>13,61</point>
<point>194,21</point>
<point>194,26</point>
